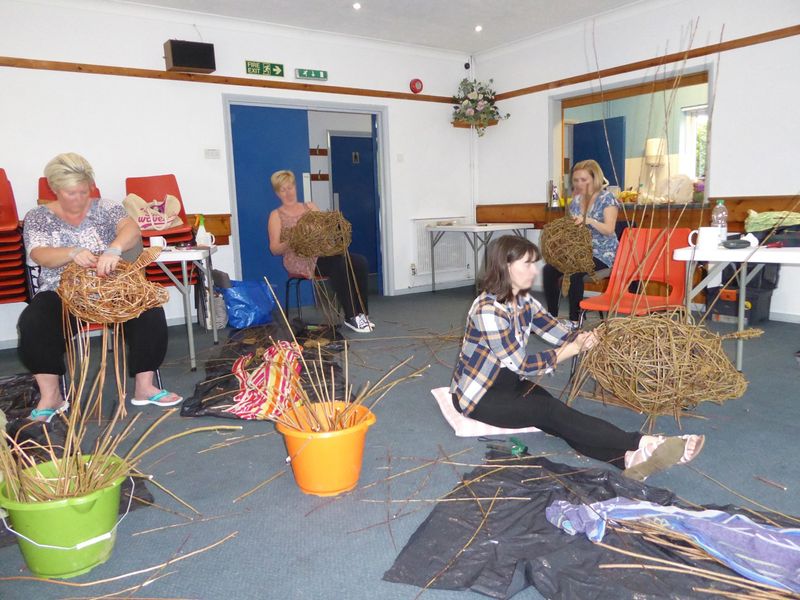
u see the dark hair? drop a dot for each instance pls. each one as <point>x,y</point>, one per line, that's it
<point>503,251</point>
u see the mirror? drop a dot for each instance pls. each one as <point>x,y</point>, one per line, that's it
<point>650,139</point>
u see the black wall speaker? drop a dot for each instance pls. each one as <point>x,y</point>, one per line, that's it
<point>194,57</point>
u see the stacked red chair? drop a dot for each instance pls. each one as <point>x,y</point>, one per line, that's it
<point>156,187</point>
<point>48,195</point>
<point>13,279</point>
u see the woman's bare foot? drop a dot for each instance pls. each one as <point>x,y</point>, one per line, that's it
<point>51,402</point>
<point>145,392</point>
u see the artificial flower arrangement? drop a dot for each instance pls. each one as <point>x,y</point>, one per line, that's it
<point>474,105</point>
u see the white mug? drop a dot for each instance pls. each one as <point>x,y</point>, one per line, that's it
<point>704,238</point>
<point>205,238</point>
<point>157,240</point>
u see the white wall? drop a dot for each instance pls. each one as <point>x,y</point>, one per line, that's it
<point>129,126</point>
<point>754,123</point>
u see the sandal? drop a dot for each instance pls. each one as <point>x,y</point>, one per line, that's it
<point>48,413</point>
<point>158,399</point>
<point>700,441</point>
<point>667,454</point>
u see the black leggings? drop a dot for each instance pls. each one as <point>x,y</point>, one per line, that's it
<point>551,280</point>
<point>42,346</point>
<point>504,405</point>
<point>336,269</point>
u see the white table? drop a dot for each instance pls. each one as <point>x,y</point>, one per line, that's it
<point>719,259</point>
<point>478,235</point>
<point>200,256</point>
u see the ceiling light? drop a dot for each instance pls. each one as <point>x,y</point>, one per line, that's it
<point>478,28</point>
<point>357,5</point>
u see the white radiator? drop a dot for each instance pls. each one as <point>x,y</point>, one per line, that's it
<point>453,256</point>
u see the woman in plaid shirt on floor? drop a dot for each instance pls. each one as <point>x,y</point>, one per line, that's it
<point>491,379</point>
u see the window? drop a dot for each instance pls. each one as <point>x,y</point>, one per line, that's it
<point>694,141</point>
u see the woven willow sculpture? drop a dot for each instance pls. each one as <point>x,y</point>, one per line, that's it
<point>123,295</point>
<point>661,364</point>
<point>568,247</point>
<point>320,234</point>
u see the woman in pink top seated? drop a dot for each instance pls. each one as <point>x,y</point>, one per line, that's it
<point>350,285</point>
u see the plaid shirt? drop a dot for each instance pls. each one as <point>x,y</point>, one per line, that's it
<point>496,338</point>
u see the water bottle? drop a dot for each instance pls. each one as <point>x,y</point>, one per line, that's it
<point>555,201</point>
<point>719,219</point>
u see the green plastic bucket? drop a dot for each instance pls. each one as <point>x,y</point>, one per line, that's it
<point>69,537</point>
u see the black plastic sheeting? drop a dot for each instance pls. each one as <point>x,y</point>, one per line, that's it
<point>214,394</point>
<point>517,547</point>
<point>19,394</point>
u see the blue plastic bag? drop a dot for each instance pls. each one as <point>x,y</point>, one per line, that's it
<point>248,303</point>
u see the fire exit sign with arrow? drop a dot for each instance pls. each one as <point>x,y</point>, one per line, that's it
<point>254,67</point>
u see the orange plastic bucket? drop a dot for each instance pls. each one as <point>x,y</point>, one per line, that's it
<point>328,463</point>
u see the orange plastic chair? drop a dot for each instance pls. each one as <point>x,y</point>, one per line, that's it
<point>645,256</point>
<point>45,193</point>
<point>9,219</point>
<point>155,187</point>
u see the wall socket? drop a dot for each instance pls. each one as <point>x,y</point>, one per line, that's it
<point>413,268</point>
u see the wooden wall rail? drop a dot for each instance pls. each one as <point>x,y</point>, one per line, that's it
<point>51,65</point>
<point>751,40</point>
<point>219,225</point>
<point>645,215</point>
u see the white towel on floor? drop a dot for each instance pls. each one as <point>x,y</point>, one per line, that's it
<point>464,426</point>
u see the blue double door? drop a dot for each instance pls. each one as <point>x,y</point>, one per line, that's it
<point>268,139</point>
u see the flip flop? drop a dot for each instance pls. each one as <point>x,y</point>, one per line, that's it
<point>667,454</point>
<point>156,398</point>
<point>48,413</point>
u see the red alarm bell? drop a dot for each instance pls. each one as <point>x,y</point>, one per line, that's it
<point>416,85</point>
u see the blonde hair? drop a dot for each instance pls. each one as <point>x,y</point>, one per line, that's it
<point>68,170</point>
<point>281,178</point>
<point>594,170</point>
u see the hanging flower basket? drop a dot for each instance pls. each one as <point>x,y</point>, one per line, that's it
<point>474,106</point>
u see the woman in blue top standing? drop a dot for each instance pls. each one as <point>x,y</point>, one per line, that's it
<point>597,208</point>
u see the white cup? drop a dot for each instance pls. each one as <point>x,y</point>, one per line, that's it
<point>205,238</point>
<point>157,240</point>
<point>704,238</point>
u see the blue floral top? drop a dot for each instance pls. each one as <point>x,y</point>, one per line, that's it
<point>604,247</point>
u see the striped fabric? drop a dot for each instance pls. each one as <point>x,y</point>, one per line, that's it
<point>496,337</point>
<point>266,391</point>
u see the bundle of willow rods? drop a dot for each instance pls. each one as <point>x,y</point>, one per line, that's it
<point>122,295</point>
<point>327,406</point>
<point>567,247</point>
<point>320,234</point>
<point>661,364</point>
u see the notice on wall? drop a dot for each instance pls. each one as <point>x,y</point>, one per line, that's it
<point>254,67</point>
<point>316,74</point>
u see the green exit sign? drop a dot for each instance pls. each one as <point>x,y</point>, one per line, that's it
<point>263,68</point>
<point>317,74</point>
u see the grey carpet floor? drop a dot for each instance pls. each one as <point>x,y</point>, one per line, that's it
<point>281,543</point>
